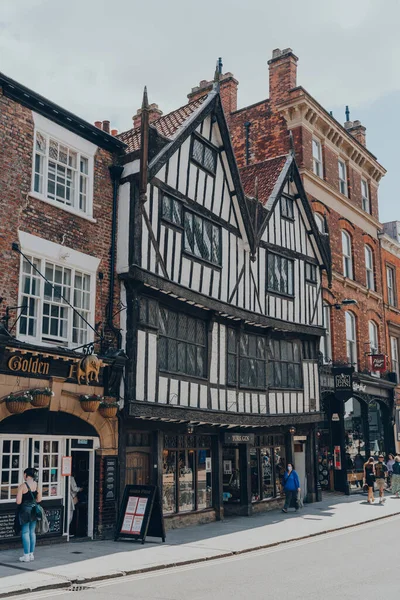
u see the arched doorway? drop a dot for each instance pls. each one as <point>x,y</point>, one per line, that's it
<point>41,439</point>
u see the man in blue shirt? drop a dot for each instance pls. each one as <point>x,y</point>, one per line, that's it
<point>291,485</point>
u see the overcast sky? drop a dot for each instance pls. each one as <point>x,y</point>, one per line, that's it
<point>93,57</point>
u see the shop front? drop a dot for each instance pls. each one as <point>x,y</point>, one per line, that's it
<point>207,472</point>
<point>358,424</point>
<point>74,451</point>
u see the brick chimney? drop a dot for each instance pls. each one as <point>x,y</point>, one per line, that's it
<point>357,131</point>
<point>106,126</point>
<point>154,114</point>
<point>282,74</point>
<point>228,86</point>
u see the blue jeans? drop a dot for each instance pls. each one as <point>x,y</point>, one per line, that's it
<point>28,534</point>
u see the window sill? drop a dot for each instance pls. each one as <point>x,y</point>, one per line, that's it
<point>43,344</point>
<point>62,207</point>
<point>202,261</point>
<point>188,512</point>
<point>280,294</point>
<point>285,389</point>
<point>182,376</point>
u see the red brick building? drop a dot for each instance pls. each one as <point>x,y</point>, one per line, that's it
<point>341,177</point>
<point>58,295</point>
<point>390,256</point>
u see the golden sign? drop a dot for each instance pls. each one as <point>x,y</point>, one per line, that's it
<point>87,369</point>
<point>28,365</point>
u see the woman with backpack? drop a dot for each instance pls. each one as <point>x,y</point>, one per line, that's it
<point>28,496</point>
<point>291,485</point>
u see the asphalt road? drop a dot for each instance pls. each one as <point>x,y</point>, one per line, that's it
<point>358,563</point>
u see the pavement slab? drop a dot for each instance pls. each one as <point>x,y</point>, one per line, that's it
<point>65,564</point>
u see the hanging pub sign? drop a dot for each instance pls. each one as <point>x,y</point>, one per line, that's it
<point>378,363</point>
<point>343,381</point>
<point>140,514</point>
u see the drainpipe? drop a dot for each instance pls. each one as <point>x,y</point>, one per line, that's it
<point>115,174</point>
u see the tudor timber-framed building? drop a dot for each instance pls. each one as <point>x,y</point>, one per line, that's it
<point>341,178</point>
<point>223,320</point>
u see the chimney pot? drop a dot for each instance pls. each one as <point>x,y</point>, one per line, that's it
<point>282,74</point>
<point>114,131</point>
<point>106,126</point>
<point>98,124</point>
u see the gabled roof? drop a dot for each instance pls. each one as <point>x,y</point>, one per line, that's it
<point>271,177</point>
<point>167,126</point>
<point>267,174</point>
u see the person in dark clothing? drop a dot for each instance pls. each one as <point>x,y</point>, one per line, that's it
<point>27,496</point>
<point>369,478</point>
<point>381,471</point>
<point>396,477</point>
<point>291,485</point>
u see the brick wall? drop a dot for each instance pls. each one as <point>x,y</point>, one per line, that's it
<point>21,211</point>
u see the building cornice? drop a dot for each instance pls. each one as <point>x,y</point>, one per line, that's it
<point>340,197</point>
<point>303,110</point>
<point>390,245</point>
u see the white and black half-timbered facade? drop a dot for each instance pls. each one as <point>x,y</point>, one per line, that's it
<point>223,319</point>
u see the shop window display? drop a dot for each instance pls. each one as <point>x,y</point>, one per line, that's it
<point>231,475</point>
<point>354,426</point>
<point>187,473</point>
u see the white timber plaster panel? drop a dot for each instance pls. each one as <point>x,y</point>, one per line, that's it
<point>131,168</point>
<point>203,396</point>
<point>162,390</point>
<point>122,264</point>
<point>184,396</point>
<point>214,354</point>
<point>140,365</point>
<point>152,367</point>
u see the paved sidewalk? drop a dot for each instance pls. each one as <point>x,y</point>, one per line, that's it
<point>80,562</point>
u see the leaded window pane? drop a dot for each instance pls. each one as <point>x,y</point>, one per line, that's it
<point>182,344</point>
<point>204,155</point>
<point>284,369</point>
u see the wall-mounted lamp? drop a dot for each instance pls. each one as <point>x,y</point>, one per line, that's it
<point>318,433</point>
<point>292,430</point>
<point>190,429</point>
<point>345,302</point>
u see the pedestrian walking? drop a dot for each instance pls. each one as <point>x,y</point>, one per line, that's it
<point>396,477</point>
<point>28,496</point>
<point>291,486</point>
<point>389,464</point>
<point>369,478</point>
<point>381,472</point>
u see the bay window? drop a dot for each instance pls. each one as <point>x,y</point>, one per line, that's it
<point>62,174</point>
<point>46,314</point>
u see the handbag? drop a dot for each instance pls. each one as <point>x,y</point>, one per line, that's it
<point>42,524</point>
<point>365,487</point>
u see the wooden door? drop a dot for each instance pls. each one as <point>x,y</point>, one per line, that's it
<point>137,468</point>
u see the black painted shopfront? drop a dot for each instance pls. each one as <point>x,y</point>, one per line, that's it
<point>206,472</point>
<point>357,425</point>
